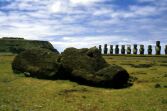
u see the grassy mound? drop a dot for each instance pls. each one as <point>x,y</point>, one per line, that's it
<point>17,45</point>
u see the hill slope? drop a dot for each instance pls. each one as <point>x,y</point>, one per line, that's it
<point>16,45</point>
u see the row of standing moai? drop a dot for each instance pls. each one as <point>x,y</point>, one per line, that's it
<point>135,49</point>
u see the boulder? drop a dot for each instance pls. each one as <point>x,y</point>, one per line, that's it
<point>87,66</point>
<point>112,76</point>
<point>88,59</point>
<point>41,63</point>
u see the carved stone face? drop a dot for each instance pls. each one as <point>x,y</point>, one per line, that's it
<point>135,46</point>
<point>157,43</point>
<point>111,46</point>
<point>123,46</point>
<point>150,47</point>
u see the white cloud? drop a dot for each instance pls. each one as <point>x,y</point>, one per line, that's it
<point>146,0</point>
<point>144,10</point>
<point>59,6</point>
<point>68,6</point>
<point>84,2</point>
<point>102,11</point>
<point>91,41</point>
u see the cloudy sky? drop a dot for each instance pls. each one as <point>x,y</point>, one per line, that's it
<point>85,23</point>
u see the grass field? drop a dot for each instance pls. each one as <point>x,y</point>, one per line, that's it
<point>149,92</point>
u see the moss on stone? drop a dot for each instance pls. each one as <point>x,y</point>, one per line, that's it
<point>85,66</point>
<point>41,63</point>
<point>90,68</point>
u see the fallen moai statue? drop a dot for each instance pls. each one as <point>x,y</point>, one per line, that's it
<point>84,66</point>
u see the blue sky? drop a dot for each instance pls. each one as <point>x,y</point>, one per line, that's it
<point>85,23</point>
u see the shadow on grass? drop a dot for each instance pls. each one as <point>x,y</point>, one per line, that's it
<point>139,65</point>
<point>117,82</point>
<point>102,84</point>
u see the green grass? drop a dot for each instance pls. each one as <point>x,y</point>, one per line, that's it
<point>19,93</point>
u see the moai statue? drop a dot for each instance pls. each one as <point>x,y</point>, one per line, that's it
<point>150,50</point>
<point>128,49</point>
<point>117,49</point>
<point>166,49</point>
<point>111,49</point>
<point>100,49</point>
<point>135,49</point>
<point>158,48</point>
<point>142,49</point>
<point>105,49</point>
<point>123,49</point>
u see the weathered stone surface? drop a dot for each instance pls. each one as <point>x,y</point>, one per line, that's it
<point>158,43</point>
<point>166,49</point>
<point>112,76</point>
<point>123,49</point>
<point>128,49</point>
<point>85,66</point>
<point>90,68</point>
<point>100,49</point>
<point>158,48</point>
<point>88,59</point>
<point>150,49</point>
<point>105,49</point>
<point>117,49</point>
<point>111,49</point>
<point>135,49</point>
<point>40,63</point>
<point>141,49</point>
